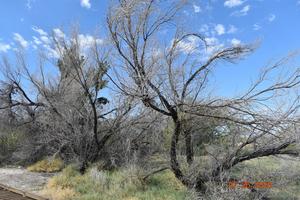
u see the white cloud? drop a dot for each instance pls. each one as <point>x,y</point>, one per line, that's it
<point>204,29</point>
<point>189,45</point>
<point>272,17</point>
<point>232,29</point>
<point>211,41</point>
<point>29,4</point>
<point>232,3</point>
<point>213,45</point>
<point>87,41</point>
<point>243,12</point>
<point>39,31</point>
<point>235,42</point>
<point>20,40</point>
<point>4,47</point>
<point>197,8</point>
<point>220,29</point>
<point>53,53</point>
<point>45,39</point>
<point>210,30</point>
<point>85,3</point>
<point>58,33</point>
<point>43,36</point>
<point>256,27</point>
<point>36,40</point>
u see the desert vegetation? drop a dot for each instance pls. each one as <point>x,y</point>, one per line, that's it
<point>136,117</point>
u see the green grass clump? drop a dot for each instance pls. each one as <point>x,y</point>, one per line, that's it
<point>124,184</point>
<point>47,165</point>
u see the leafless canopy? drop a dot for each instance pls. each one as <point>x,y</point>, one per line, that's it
<point>67,108</point>
<point>171,77</point>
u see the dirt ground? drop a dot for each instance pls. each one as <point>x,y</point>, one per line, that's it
<point>24,180</point>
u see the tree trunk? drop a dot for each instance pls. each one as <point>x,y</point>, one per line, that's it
<point>83,166</point>
<point>173,153</point>
<point>189,148</point>
<point>199,184</point>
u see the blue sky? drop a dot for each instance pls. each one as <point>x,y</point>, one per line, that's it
<point>275,23</point>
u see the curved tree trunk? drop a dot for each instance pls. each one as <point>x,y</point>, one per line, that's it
<point>199,185</point>
<point>175,166</point>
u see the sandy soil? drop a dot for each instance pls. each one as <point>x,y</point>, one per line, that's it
<point>24,180</point>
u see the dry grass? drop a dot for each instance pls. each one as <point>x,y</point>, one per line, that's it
<point>47,165</point>
<point>59,193</point>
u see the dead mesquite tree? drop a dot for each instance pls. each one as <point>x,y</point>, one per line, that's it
<point>172,79</point>
<point>68,108</point>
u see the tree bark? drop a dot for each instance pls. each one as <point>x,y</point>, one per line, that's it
<point>189,148</point>
<point>173,153</point>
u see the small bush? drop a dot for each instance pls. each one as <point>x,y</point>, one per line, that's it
<point>47,165</point>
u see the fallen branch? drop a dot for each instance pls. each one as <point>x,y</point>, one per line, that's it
<point>155,172</point>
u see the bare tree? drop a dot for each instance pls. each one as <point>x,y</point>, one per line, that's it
<point>171,77</point>
<point>68,109</point>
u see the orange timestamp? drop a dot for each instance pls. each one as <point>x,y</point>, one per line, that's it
<point>248,185</point>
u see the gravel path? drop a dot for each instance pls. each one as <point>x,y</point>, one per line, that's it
<point>23,180</point>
